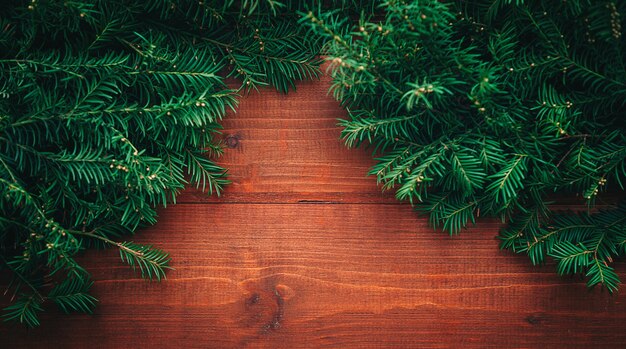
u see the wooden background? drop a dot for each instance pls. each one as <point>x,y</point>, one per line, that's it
<point>303,250</point>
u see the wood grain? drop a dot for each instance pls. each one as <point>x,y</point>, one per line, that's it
<point>303,251</point>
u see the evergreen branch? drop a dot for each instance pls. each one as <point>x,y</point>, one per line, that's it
<point>601,273</point>
<point>23,279</point>
<point>102,114</point>
<point>72,296</point>
<point>24,310</point>
<point>151,262</point>
<point>508,104</point>
<point>205,172</point>
<point>509,180</point>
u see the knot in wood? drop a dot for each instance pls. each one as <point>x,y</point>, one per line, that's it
<point>232,141</point>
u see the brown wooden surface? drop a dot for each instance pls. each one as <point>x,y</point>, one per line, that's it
<point>303,250</point>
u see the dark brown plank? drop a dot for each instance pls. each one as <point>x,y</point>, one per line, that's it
<point>303,251</point>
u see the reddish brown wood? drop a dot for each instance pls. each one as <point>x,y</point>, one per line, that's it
<point>303,251</point>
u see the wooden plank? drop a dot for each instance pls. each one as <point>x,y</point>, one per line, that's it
<point>303,251</point>
<point>288,149</point>
<point>343,275</point>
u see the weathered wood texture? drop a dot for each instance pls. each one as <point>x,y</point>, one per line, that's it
<point>303,250</point>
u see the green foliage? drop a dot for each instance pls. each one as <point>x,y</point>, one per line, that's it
<point>151,262</point>
<point>107,108</point>
<point>492,108</point>
<point>25,310</point>
<point>72,295</point>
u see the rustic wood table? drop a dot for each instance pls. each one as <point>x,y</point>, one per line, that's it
<point>303,251</point>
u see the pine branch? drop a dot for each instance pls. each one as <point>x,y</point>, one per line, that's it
<point>72,296</point>
<point>104,110</point>
<point>150,261</point>
<point>489,108</point>
<point>24,310</point>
